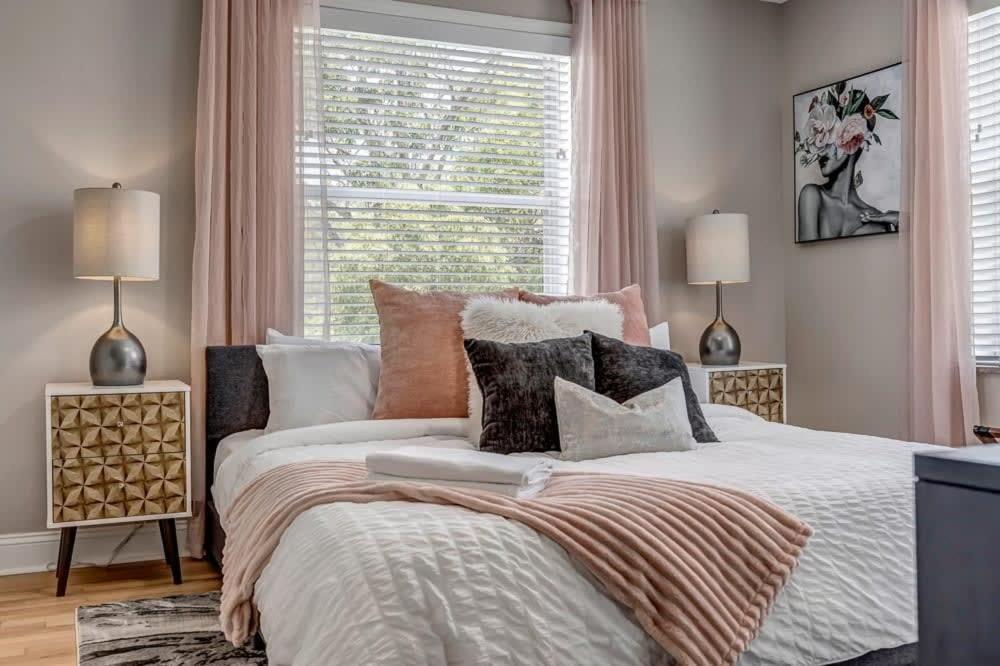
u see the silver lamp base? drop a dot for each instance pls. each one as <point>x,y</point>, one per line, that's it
<point>720,345</point>
<point>118,358</point>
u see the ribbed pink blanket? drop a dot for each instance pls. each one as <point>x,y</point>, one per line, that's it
<point>699,565</point>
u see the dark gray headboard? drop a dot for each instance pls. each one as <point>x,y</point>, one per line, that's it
<point>235,395</point>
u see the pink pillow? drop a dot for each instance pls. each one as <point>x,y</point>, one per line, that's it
<point>629,299</point>
<point>423,371</point>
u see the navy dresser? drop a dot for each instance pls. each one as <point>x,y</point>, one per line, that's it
<point>958,555</point>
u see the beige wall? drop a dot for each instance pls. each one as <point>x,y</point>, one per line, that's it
<point>845,301</point>
<point>989,398</point>
<point>93,92</point>
<point>715,104</point>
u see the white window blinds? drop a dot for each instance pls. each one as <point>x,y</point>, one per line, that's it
<point>984,123</point>
<point>440,166</point>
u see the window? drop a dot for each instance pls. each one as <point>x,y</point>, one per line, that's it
<point>984,123</point>
<point>440,166</point>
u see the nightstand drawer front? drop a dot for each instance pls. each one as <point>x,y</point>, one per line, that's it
<point>117,424</point>
<point>108,487</point>
<point>758,391</point>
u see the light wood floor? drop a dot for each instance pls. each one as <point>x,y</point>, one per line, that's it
<point>36,627</point>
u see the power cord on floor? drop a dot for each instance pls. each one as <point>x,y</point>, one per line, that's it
<point>51,566</point>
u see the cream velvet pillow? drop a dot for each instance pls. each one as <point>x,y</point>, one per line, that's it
<point>506,321</point>
<point>424,372</point>
<point>594,426</point>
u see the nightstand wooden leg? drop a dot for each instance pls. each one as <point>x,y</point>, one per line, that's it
<point>168,534</point>
<point>67,537</point>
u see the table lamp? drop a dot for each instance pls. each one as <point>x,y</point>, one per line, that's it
<point>116,236</point>
<point>718,252</point>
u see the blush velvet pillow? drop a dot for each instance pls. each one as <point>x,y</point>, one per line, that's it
<point>629,300</point>
<point>517,382</point>
<point>423,373</point>
<point>623,371</point>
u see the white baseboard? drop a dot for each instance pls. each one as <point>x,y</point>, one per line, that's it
<point>37,551</point>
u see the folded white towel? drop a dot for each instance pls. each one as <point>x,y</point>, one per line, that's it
<point>507,489</point>
<point>523,476</point>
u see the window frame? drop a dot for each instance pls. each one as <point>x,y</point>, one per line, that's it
<point>975,127</point>
<point>418,21</point>
<point>392,18</point>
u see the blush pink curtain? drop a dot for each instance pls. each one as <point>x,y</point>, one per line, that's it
<point>944,404</point>
<point>614,221</point>
<point>246,214</point>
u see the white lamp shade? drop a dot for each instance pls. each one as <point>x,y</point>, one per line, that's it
<point>116,233</point>
<point>718,249</point>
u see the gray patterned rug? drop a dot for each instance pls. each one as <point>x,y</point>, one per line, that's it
<point>179,631</point>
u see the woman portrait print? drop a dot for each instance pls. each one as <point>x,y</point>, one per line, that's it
<point>840,129</point>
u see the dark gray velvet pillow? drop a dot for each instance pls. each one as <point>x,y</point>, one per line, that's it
<point>623,371</point>
<point>517,381</point>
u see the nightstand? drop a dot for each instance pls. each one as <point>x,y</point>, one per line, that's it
<point>757,387</point>
<point>117,454</point>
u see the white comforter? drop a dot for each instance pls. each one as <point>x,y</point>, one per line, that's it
<point>398,583</point>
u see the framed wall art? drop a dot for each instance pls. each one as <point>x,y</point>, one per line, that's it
<point>848,144</point>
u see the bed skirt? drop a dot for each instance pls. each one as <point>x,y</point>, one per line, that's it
<point>904,655</point>
<point>215,537</point>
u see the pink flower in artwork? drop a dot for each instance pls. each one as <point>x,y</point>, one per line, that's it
<point>820,126</point>
<point>850,134</point>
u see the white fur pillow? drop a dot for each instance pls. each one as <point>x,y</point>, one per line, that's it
<point>499,320</point>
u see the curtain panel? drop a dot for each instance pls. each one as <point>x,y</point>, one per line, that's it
<point>944,404</point>
<point>614,221</point>
<point>251,102</point>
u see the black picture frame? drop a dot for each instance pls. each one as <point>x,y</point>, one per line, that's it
<point>892,106</point>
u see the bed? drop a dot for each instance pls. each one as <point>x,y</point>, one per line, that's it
<point>396,582</point>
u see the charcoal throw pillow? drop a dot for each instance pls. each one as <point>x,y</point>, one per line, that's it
<point>517,382</point>
<point>623,371</point>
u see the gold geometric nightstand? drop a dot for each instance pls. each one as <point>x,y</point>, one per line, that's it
<point>117,454</point>
<point>760,388</point>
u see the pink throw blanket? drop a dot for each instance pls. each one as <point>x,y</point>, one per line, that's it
<point>699,565</point>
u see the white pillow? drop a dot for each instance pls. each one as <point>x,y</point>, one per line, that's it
<point>276,337</point>
<point>315,384</point>
<point>659,336</point>
<point>498,320</point>
<point>594,426</point>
